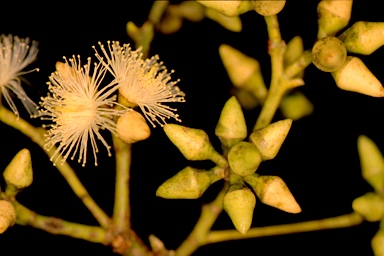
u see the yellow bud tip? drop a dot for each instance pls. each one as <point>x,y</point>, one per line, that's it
<point>7,215</point>
<point>132,127</point>
<point>19,171</point>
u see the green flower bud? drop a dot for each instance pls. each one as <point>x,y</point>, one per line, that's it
<point>190,10</point>
<point>228,8</point>
<point>269,139</point>
<point>231,127</point>
<point>329,54</point>
<point>231,23</point>
<point>170,23</point>
<point>268,7</point>
<point>377,243</point>
<point>296,106</point>
<point>293,52</point>
<point>333,16</point>
<point>354,76</point>
<point>246,99</point>
<point>7,215</point>
<point>244,158</point>
<point>132,127</point>
<point>370,206</point>
<point>272,191</point>
<point>371,162</point>
<point>239,203</point>
<point>193,144</point>
<point>189,183</point>
<point>364,37</point>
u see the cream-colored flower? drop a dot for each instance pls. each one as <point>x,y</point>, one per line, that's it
<point>15,55</point>
<point>143,83</point>
<point>79,109</point>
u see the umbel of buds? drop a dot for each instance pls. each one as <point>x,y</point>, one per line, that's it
<point>131,127</point>
<point>329,54</point>
<point>7,215</point>
<point>268,7</point>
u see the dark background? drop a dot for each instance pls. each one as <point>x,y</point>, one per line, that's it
<point>318,160</point>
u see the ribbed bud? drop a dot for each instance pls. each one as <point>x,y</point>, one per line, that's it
<point>239,203</point>
<point>132,127</point>
<point>7,215</point>
<point>329,54</point>
<point>231,23</point>
<point>333,16</point>
<point>231,127</point>
<point>244,158</point>
<point>296,106</point>
<point>272,191</point>
<point>268,7</point>
<point>371,162</point>
<point>377,243</point>
<point>364,37</point>
<point>354,76</point>
<point>370,206</point>
<point>269,139</point>
<point>228,8</point>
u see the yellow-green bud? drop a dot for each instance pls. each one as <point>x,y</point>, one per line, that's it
<point>269,139</point>
<point>7,215</point>
<point>272,191</point>
<point>231,23</point>
<point>228,8</point>
<point>239,203</point>
<point>189,183</point>
<point>370,206</point>
<point>190,10</point>
<point>294,50</point>
<point>296,106</point>
<point>364,37</point>
<point>333,15</point>
<point>231,127</point>
<point>329,54</point>
<point>354,76</point>
<point>132,127</point>
<point>245,98</point>
<point>170,23</point>
<point>268,7</point>
<point>371,162</point>
<point>377,243</point>
<point>244,158</point>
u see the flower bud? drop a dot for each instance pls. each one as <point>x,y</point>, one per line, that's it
<point>7,215</point>
<point>231,127</point>
<point>246,99</point>
<point>377,243</point>
<point>170,24</point>
<point>228,8</point>
<point>333,16</point>
<point>370,206</point>
<point>354,76</point>
<point>371,162</point>
<point>190,10</point>
<point>231,23</point>
<point>239,203</point>
<point>132,127</point>
<point>272,191</point>
<point>244,158</point>
<point>329,54</point>
<point>294,50</point>
<point>296,106</point>
<point>269,139</point>
<point>189,183</point>
<point>268,7</point>
<point>194,144</point>
<point>364,37</point>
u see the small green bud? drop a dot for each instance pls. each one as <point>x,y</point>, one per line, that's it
<point>333,16</point>
<point>228,8</point>
<point>170,23</point>
<point>231,127</point>
<point>239,203</point>
<point>370,206</point>
<point>371,162</point>
<point>132,127</point>
<point>296,106</point>
<point>268,7</point>
<point>354,76</point>
<point>231,23</point>
<point>7,215</point>
<point>244,158</point>
<point>294,50</point>
<point>329,54</point>
<point>272,191</point>
<point>189,183</point>
<point>269,139</point>
<point>377,243</point>
<point>364,37</point>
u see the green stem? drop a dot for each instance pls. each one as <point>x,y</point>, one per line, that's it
<point>299,65</point>
<point>343,221</point>
<point>37,136</point>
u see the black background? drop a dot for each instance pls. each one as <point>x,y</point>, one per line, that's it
<point>318,160</point>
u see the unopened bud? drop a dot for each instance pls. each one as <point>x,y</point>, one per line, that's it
<point>132,127</point>
<point>170,24</point>
<point>294,50</point>
<point>190,10</point>
<point>370,206</point>
<point>377,243</point>
<point>354,76</point>
<point>231,23</point>
<point>296,106</point>
<point>268,7</point>
<point>228,8</point>
<point>329,54</point>
<point>245,98</point>
<point>7,215</point>
<point>244,158</point>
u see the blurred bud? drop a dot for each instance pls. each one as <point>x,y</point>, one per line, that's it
<point>231,127</point>
<point>329,54</point>
<point>141,35</point>
<point>269,139</point>
<point>272,191</point>
<point>244,158</point>
<point>364,37</point>
<point>231,23</point>
<point>370,206</point>
<point>170,23</point>
<point>245,98</point>
<point>268,7</point>
<point>371,162</point>
<point>228,8</point>
<point>132,127</point>
<point>333,16</point>
<point>190,10</point>
<point>356,77</point>
<point>377,243</point>
<point>296,106</point>
<point>158,247</point>
<point>239,203</point>
<point>7,215</point>
<point>294,50</point>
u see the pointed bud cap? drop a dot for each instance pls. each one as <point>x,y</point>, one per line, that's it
<point>268,7</point>
<point>239,203</point>
<point>244,158</point>
<point>18,174</point>
<point>329,54</point>
<point>370,206</point>
<point>228,8</point>
<point>189,183</point>
<point>272,191</point>
<point>333,16</point>
<point>296,106</point>
<point>7,215</point>
<point>231,127</point>
<point>377,243</point>
<point>269,139</point>
<point>371,162</point>
<point>132,127</point>
<point>356,77</point>
<point>231,23</point>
